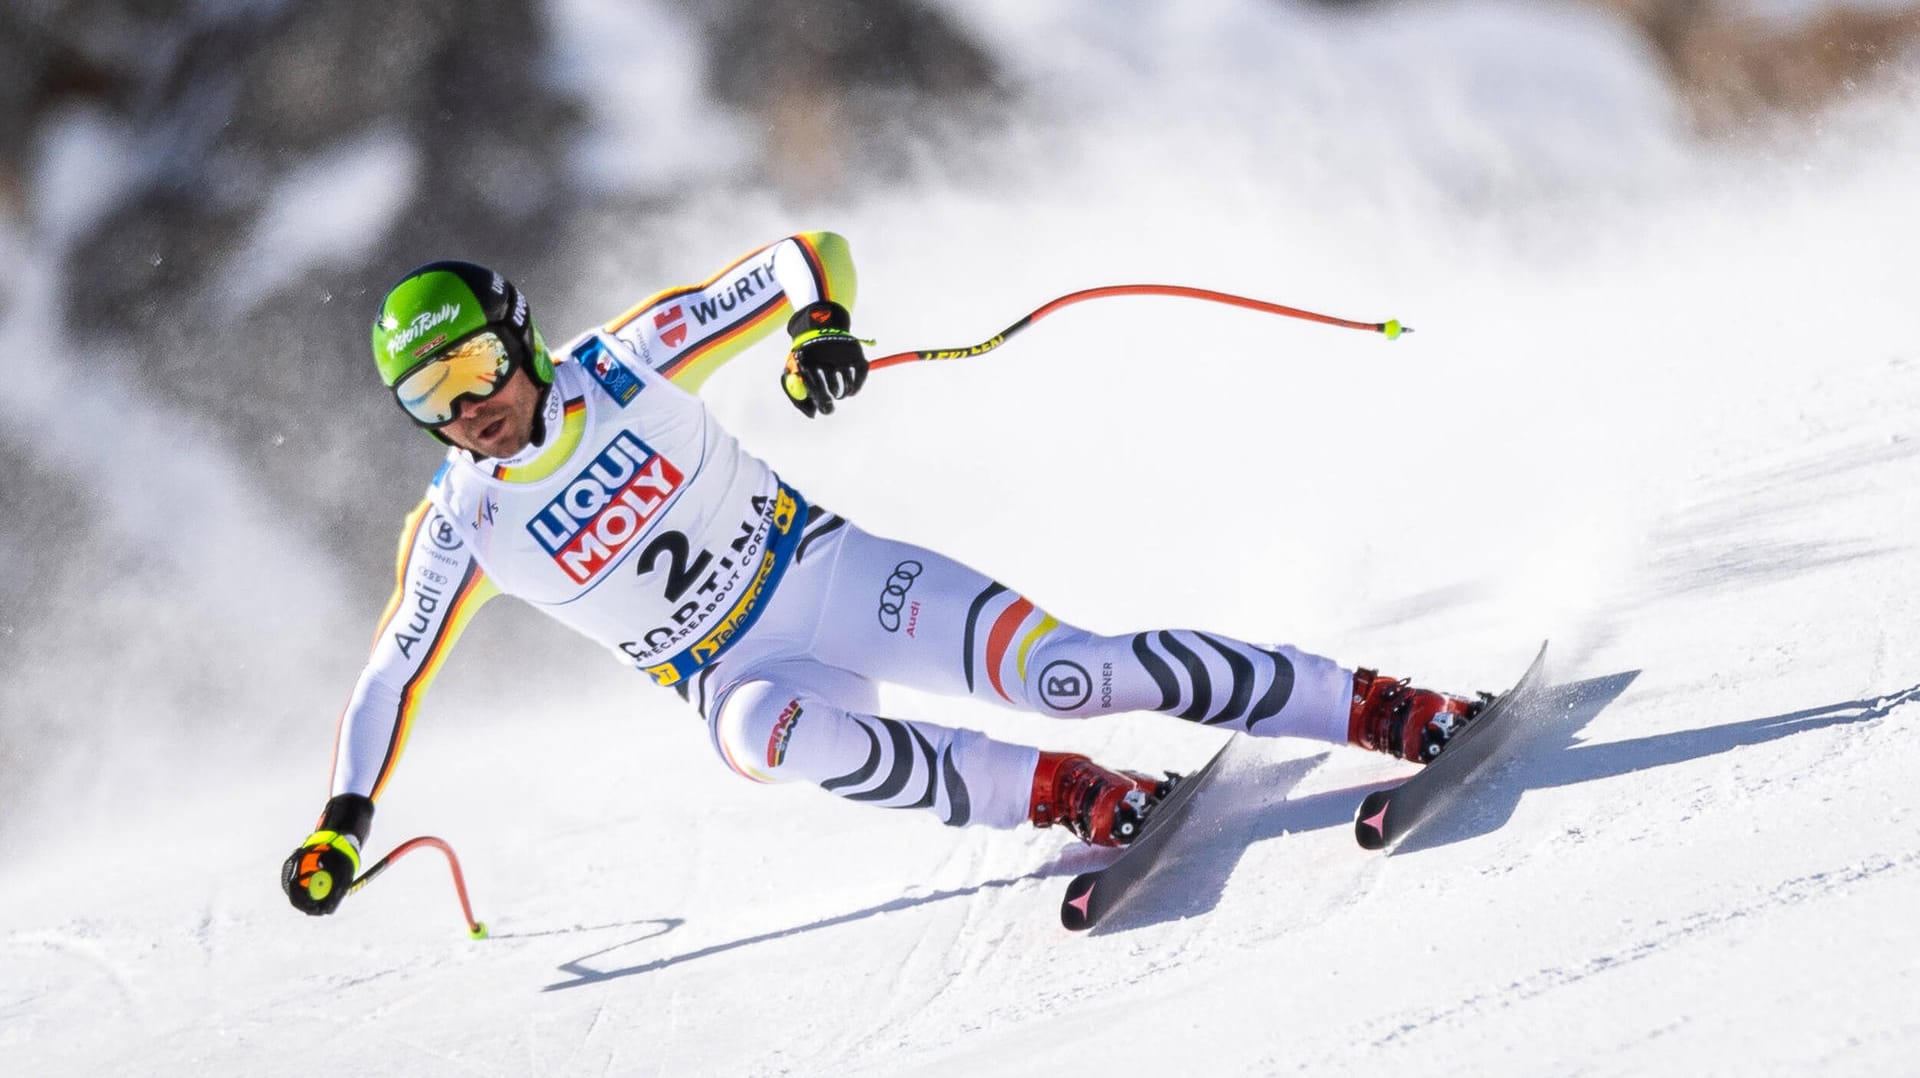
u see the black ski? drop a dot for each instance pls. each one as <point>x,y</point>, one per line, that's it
<point>1388,815</point>
<point>1092,895</point>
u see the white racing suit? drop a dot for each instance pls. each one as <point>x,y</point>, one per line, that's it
<point>639,522</point>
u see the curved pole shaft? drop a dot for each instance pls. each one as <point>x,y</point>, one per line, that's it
<point>475,929</point>
<point>1390,328</point>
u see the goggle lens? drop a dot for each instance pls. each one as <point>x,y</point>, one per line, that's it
<point>472,369</point>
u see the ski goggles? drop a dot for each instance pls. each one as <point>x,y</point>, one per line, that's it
<point>473,369</point>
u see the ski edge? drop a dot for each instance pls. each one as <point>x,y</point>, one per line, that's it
<point>1374,825</point>
<point>1081,908</point>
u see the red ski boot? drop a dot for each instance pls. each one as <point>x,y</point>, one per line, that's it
<point>1102,807</point>
<point>1395,718</point>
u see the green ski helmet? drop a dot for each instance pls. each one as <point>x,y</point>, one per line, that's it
<point>450,332</point>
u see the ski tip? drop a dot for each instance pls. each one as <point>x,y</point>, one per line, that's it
<point>1076,910</point>
<point>1370,823</point>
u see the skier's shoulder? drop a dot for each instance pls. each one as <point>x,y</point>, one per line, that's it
<point>450,493</point>
<point>611,361</point>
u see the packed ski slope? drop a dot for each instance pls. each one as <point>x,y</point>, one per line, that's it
<point>1662,406</point>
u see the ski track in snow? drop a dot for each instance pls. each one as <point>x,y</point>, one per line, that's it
<point>1688,930</point>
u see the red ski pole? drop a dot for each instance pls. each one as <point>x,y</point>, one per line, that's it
<point>1391,328</point>
<point>475,929</point>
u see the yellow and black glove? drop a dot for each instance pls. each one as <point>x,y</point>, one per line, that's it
<point>316,876</point>
<point>826,362</point>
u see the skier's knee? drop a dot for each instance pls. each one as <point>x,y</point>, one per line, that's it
<point>1064,672</point>
<point>752,728</point>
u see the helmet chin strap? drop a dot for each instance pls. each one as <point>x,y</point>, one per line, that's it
<point>538,434</point>
<point>527,362</point>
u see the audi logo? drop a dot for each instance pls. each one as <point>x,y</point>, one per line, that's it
<point>893,598</point>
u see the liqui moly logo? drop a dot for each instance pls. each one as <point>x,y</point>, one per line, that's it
<point>605,508</point>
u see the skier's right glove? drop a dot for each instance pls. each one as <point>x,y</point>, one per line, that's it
<point>316,876</point>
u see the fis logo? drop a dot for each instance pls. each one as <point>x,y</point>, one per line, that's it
<point>605,508</point>
<point>782,733</point>
<point>612,375</point>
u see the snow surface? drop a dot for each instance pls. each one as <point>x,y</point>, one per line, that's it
<point>1662,412</point>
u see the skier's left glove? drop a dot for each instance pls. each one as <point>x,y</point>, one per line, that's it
<point>316,876</point>
<point>826,362</point>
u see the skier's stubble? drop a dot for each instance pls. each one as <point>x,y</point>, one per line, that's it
<point>501,425</point>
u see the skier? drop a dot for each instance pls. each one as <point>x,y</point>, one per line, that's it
<point>593,483</point>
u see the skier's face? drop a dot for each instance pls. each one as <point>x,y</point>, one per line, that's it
<point>501,425</point>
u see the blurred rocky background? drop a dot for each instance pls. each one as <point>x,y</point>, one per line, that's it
<point>1737,62</point>
<point>200,202</point>
<point>226,132</point>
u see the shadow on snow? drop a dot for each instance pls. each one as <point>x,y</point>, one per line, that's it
<point>1554,759</point>
<point>1543,757</point>
<point>583,974</point>
<point>1222,828</point>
